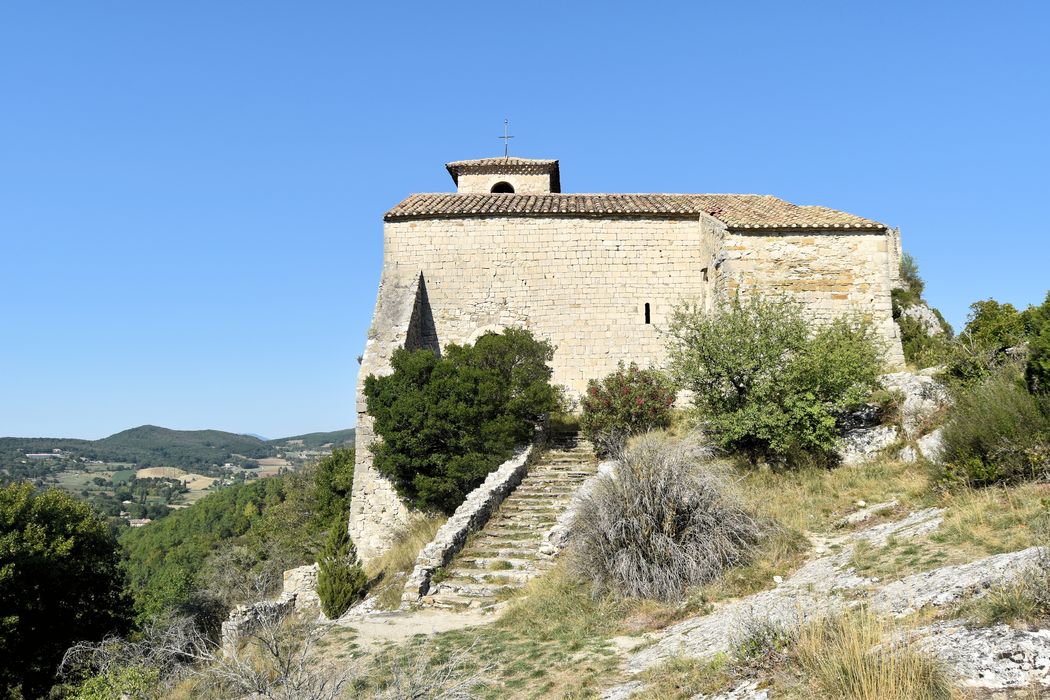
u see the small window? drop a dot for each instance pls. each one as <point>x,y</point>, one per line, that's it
<point>647,312</point>
<point>502,188</point>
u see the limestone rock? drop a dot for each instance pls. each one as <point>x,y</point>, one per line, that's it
<point>925,316</point>
<point>866,513</point>
<point>951,584</point>
<point>908,455</point>
<point>821,586</point>
<point>996,657</point>
<point>863,444</point>
<point>930,446</point>
<point>923,397</point>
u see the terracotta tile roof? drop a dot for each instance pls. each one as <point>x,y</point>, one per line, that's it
<point>736,211</point>
<point>519,166</point>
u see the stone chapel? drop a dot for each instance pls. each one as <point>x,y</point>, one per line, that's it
<point>596,275</point>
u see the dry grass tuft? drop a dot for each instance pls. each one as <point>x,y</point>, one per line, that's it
<point>389,570</point>
<point>855,655</point>
<point>665,521</point>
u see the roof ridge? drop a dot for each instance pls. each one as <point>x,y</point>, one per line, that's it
<point>736,211</point>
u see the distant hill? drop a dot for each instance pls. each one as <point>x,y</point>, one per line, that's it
<point>152,446</point>
<point>314,440</point>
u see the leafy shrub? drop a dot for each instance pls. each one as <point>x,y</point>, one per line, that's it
<point>765,383</point>
<point>985,345</point>
<point>920,347</point>
<point>995,325</point>
<point>60,582</point>
<point>997,432</point>
<point>1037,324</point>
<point>446,422</point>
<point>129,682</point>
<point>341,580</point>
<point>627,402</point>
<point>664,521</point>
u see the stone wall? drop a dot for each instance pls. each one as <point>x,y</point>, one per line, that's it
<point>523,183</point>
<point>376,512</point>
<point>580,283</point>
<point>469,517</point>
<point>832,274</point>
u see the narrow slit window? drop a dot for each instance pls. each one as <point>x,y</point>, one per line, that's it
<point>647,312</point>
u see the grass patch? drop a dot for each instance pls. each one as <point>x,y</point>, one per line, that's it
<point>122,476</point>
<point>1024,600</point>
<point>854,655</point>
<point>552,641</point>
<point>812,499</point>
<point>394,564</point>
<point>978,522</point>
<point>683,677</point>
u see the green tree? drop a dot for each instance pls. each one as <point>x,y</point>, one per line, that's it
<point>333,483</point>
<point>995,326</point>
<point>447,422</point>
<point>60,582</point>
<point>1037,325</point>
<point>341,580</point>
<point>764,382</point>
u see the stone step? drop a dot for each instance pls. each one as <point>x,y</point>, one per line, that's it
<point>451,601</point>
<point>505,554</point>
<point>513,510</point>
<point>495,552</point>
<point>498,563</point>
<point>489,576</point>
<point>474,589</point>
<point>521,528</point>
<point>548,491</point>
<point>538,494</point>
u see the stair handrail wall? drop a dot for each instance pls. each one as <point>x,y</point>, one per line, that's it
<point>471,515</point>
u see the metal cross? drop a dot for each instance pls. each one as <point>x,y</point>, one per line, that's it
<point>506,139</point>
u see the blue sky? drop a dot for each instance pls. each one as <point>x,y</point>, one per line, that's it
<point>191,193</point>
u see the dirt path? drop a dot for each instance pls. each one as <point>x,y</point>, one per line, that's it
<point>377,629</point>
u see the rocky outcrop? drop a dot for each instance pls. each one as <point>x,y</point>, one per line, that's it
<point>828,584</point>
<point>926,317</point>
<point>930,446</point>
<point>923,397</point>
<point>470,516</point>
<point>995,657</point>
<point>864,444</point>
<point>821,586</point>
<point>950,584</point>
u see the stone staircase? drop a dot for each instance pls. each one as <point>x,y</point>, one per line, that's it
<point>505,554</point>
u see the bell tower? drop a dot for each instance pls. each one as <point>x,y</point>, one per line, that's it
<point>505,176</point>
